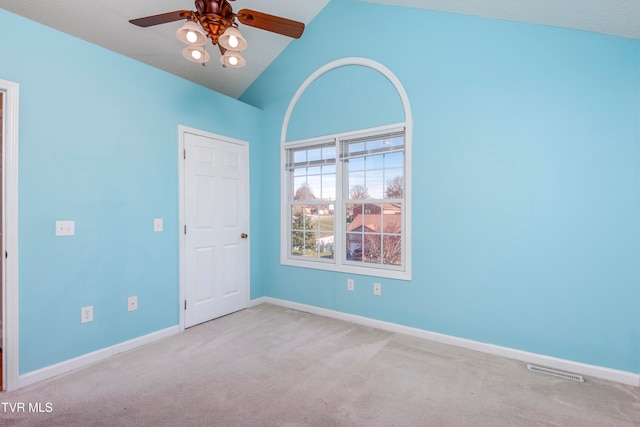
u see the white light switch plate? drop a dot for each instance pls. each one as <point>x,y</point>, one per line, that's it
<point>65,228</point>
<point>86,314</point>
<point>132,303</point>
<point>157,225</point>
<point>377,289</point>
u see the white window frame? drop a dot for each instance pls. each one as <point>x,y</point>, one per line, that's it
<point>338,264</point>
<point>339,261</point>
<point>286,199</point>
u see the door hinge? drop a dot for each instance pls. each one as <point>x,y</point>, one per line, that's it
<point>185,304</point>
<point>184,154</point>
<point>185,229</point>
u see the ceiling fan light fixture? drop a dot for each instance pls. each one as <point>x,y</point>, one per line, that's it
<point>196,54</point>
<point>191,34</point>
<point>232,59</point>
<point>231,39</point>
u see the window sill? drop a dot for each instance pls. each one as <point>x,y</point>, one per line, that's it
<point>348,268</point>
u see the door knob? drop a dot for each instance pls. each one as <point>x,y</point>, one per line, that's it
<point>244,235</point>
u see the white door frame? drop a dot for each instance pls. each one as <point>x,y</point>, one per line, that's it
<point>10,111</point>
<point>182,130</point>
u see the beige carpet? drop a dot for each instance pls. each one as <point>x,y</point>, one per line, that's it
<point>271,366</point>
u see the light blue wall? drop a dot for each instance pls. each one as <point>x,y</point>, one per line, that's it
<point>526,187</point>
<point>98,144</point>
<point>340,92</point>
<point>526,194</point>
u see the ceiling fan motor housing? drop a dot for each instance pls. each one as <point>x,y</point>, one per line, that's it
<point>214,17</point>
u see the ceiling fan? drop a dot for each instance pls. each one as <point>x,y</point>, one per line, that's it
<point>217,22</point>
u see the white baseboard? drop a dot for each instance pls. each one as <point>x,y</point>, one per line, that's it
<point>260,300</point>
<point>600,372</point>
<point>96,356</point>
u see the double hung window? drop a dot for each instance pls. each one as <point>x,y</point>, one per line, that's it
<point>345,203</point>
<point>312,173</point>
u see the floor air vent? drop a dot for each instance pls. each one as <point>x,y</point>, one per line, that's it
<point>555,373</point>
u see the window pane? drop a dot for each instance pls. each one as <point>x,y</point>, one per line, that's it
<point>356,147</point>
<point>299,185</point>
<point>392,218</point>
<point>310,244</point>
<point>302,190</point>
<point>300,218</point>
<point>394,160</point>
<point>349,213</point>
<point>354,247</point>
<point>297,243</point>
<point>313,181</point>
<point>375,145</point>
<point>394,185</point>
<point>299,156</point>
<point>372,248</point>
<point>331,169</point>
<point>297,217</point>
<point>326,219</point>
<point>354,228</point>
<point>329,187</point>
<point>329,152</point>
<point>356,164</point>
<point>326,245</point>
<point>397,141</point>
<point>374,162</point>
<point>372,217</point>
<point>392,239</point>
<point>314,154</point>
<point>357,188</point>
<point>374,184</point>
<point>303,236</point>
<point>392,250</point>
<point>314,170</point>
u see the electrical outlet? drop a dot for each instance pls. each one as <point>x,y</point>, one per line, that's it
<point>86,314</point>
<point>65,228</point>
<point>350,285</point>
<point>132,303</point>
<point>377,289</point>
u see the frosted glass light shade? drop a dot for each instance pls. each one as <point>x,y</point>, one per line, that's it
<point>191,34</point>
<point>196,54</point>
<point>231,39</point>
<point>232,59</point>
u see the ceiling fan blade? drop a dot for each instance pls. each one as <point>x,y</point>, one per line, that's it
<point>272,23</point>
<point>162,18</point>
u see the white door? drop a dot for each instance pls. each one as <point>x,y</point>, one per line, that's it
<point>216,215</point>
<point>9,161</point>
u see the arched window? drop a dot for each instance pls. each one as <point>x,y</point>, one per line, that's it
<point>347,194</point>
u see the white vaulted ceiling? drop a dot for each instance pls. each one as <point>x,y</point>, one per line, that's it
<point>614,17</point>
<point>105,23</point>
